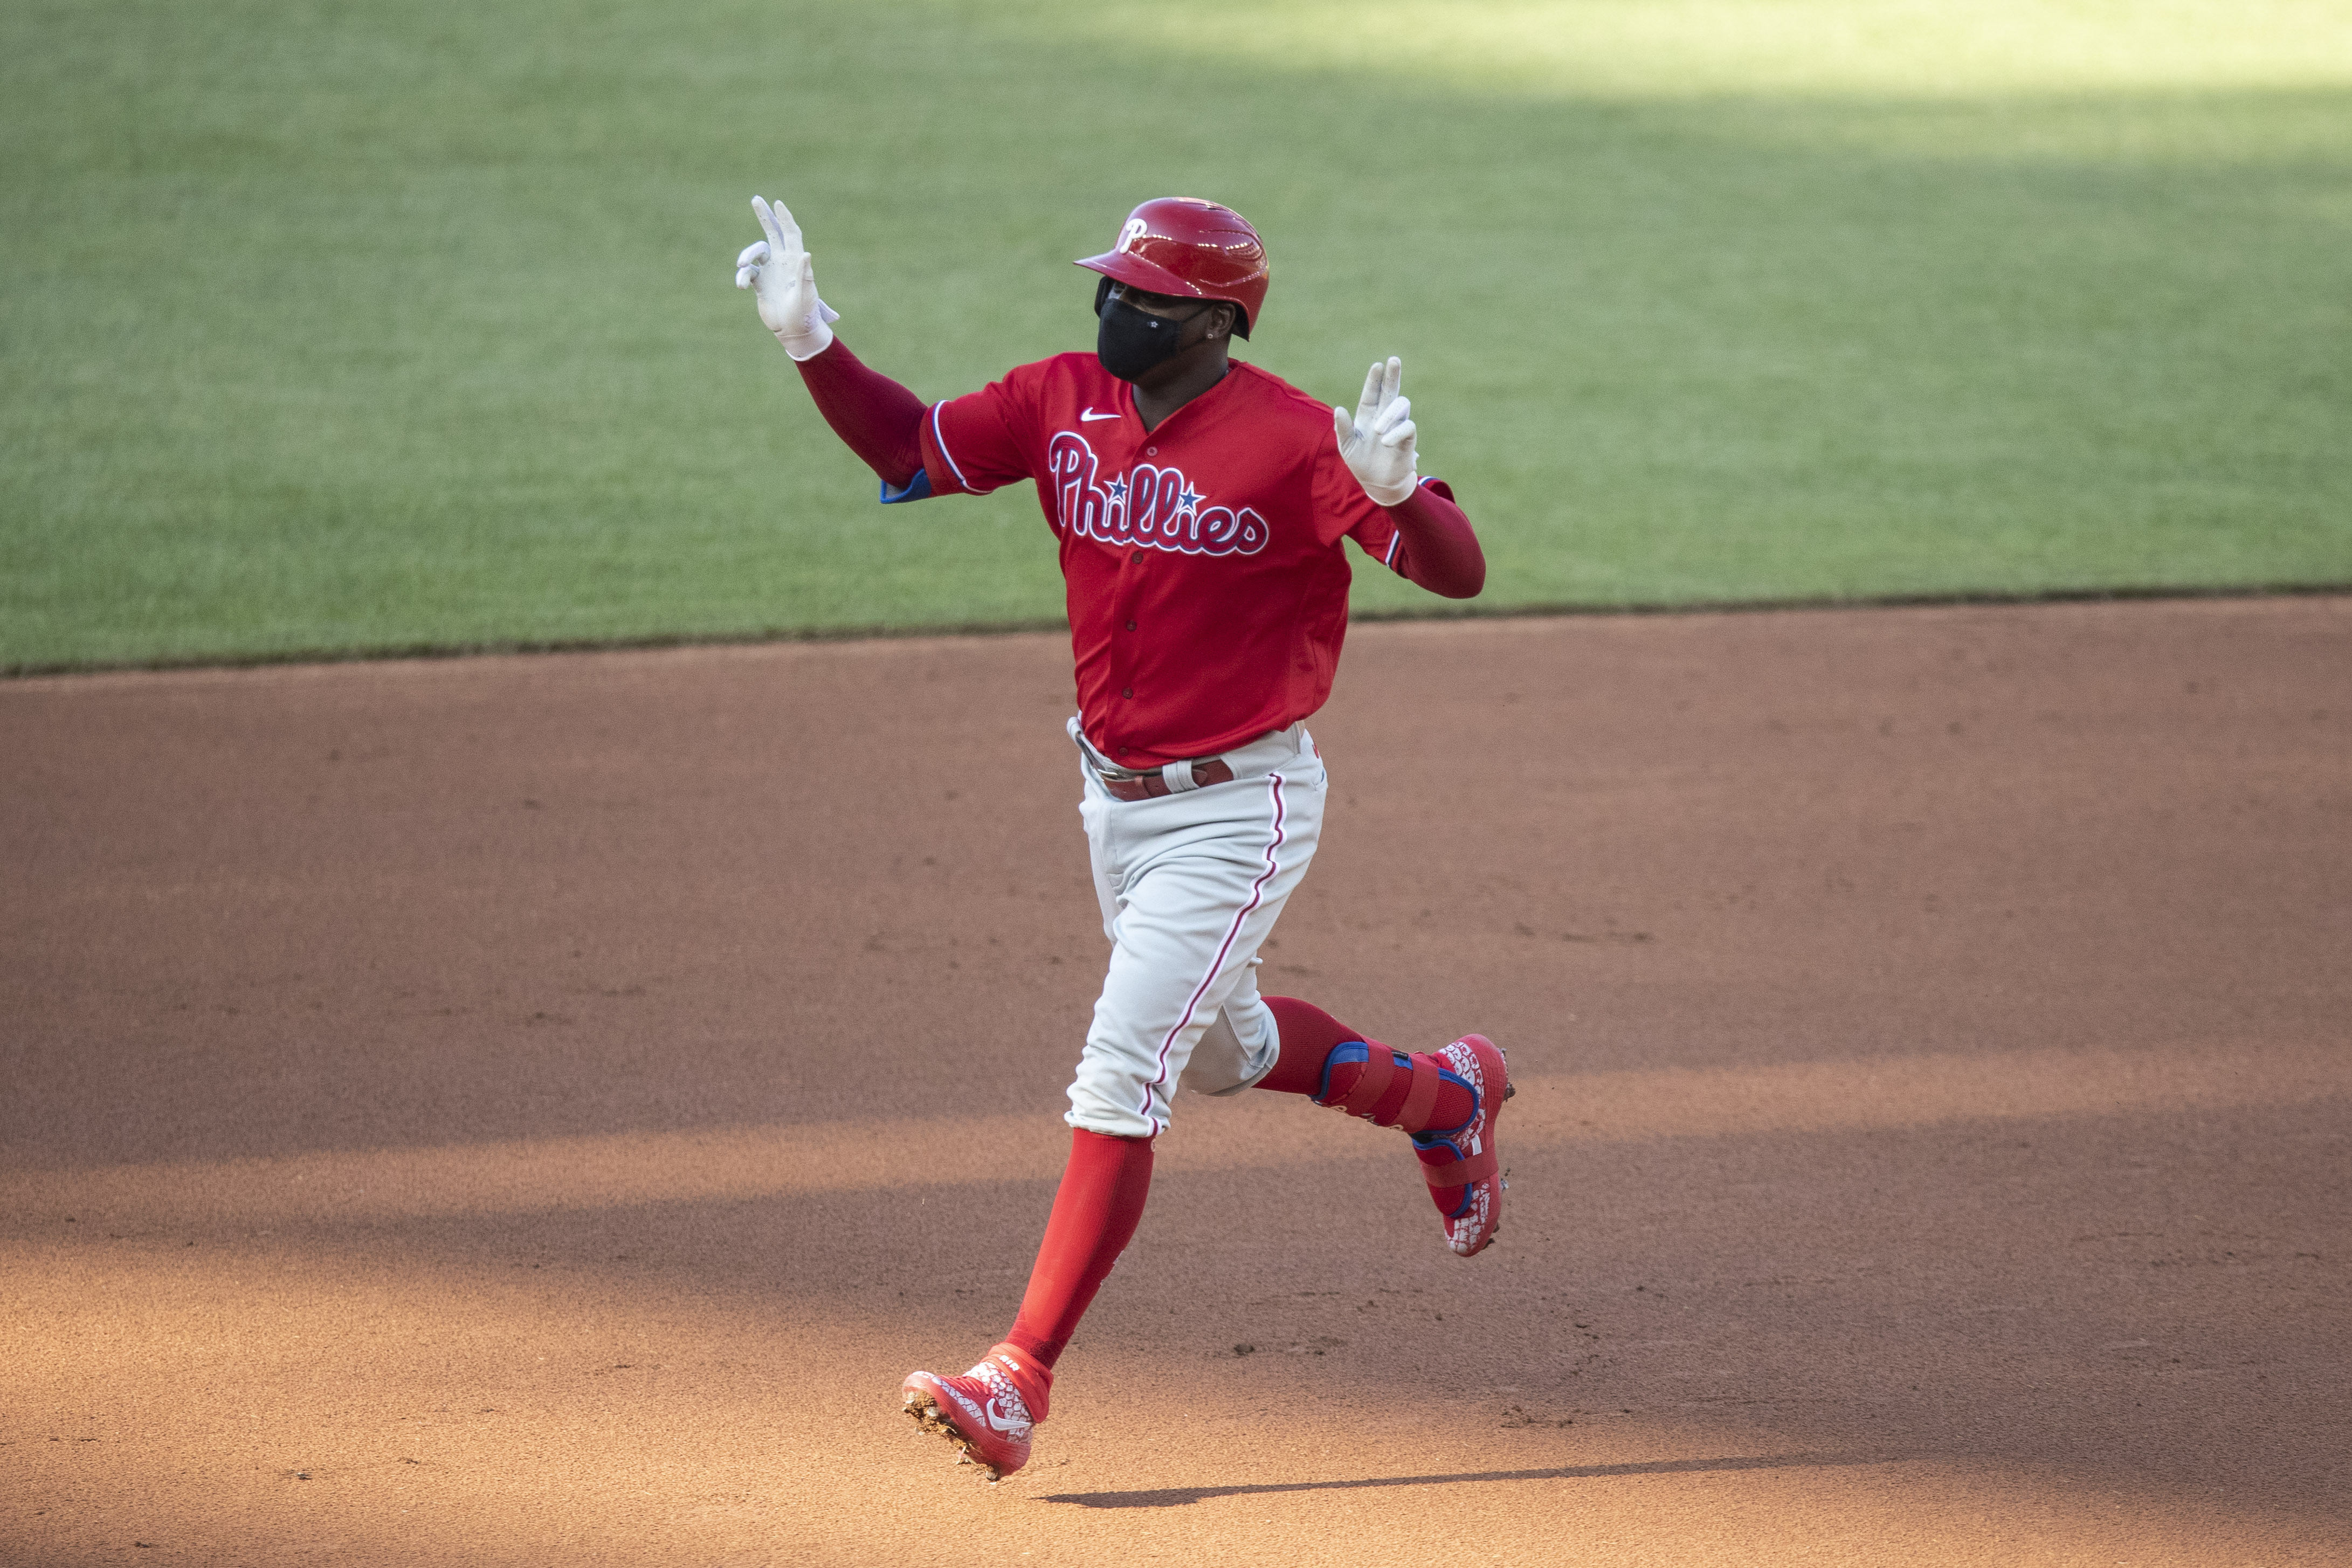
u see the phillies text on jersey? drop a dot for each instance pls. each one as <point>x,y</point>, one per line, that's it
<point>1206,587</point>
<point>1148,505</point>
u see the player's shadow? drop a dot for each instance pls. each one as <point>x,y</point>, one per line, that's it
<point>1177,1497</point>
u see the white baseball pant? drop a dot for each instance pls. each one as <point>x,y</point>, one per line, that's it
<point>1190,884</point>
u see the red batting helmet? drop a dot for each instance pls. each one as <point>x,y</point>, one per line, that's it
<point>1192,249</point>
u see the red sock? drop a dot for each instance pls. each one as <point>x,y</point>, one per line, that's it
<point>1309,1036</point>
<point>1095,1216</point>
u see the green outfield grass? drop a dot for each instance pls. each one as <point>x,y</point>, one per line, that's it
<point>330,328</point>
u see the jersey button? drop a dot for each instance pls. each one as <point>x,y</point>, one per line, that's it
<point>1136,557</point>
<point>1129,693</point>
<point>1151,452</point>
<point>1130,625</point>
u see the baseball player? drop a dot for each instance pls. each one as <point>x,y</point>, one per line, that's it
<point>1198,504</point>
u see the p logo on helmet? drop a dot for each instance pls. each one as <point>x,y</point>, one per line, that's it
<point>1191,249</point>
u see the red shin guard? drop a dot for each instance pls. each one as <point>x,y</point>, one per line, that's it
<point>1386,1088</point>
<point>1095,1216</point>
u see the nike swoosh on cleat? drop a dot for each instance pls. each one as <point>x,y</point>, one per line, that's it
<point>1088,413</point>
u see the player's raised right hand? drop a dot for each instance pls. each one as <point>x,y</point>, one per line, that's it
<point>783,275</point>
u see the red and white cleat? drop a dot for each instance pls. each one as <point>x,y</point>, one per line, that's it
<point>982,1413</point>
<point>1464,1174</point>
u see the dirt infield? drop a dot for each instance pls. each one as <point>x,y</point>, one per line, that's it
<point>534,1110</point>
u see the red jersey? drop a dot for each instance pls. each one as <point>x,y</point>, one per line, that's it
<point>1207,590</point>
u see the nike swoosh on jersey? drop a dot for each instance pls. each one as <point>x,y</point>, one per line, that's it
<point>1088,413</point>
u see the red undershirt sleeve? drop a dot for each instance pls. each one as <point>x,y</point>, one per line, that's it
<point>1425,539</point>
<point>1435,545</point>
<point>879,420</point>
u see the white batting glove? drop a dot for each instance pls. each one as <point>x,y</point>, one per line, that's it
<point>1377,445</point>
<point>783,276</point>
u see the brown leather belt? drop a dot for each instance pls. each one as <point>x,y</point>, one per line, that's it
<point>1150,786</point>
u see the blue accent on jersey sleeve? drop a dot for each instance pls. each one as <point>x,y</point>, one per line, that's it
<point>915,489</point>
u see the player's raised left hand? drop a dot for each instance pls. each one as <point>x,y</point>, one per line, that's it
<point>1377,443</point>
<point>783,274</point>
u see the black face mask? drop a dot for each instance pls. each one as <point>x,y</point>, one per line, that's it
<point>1130,342</point>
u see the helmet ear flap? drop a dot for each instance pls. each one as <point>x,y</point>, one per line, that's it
<point>1102,292</point>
